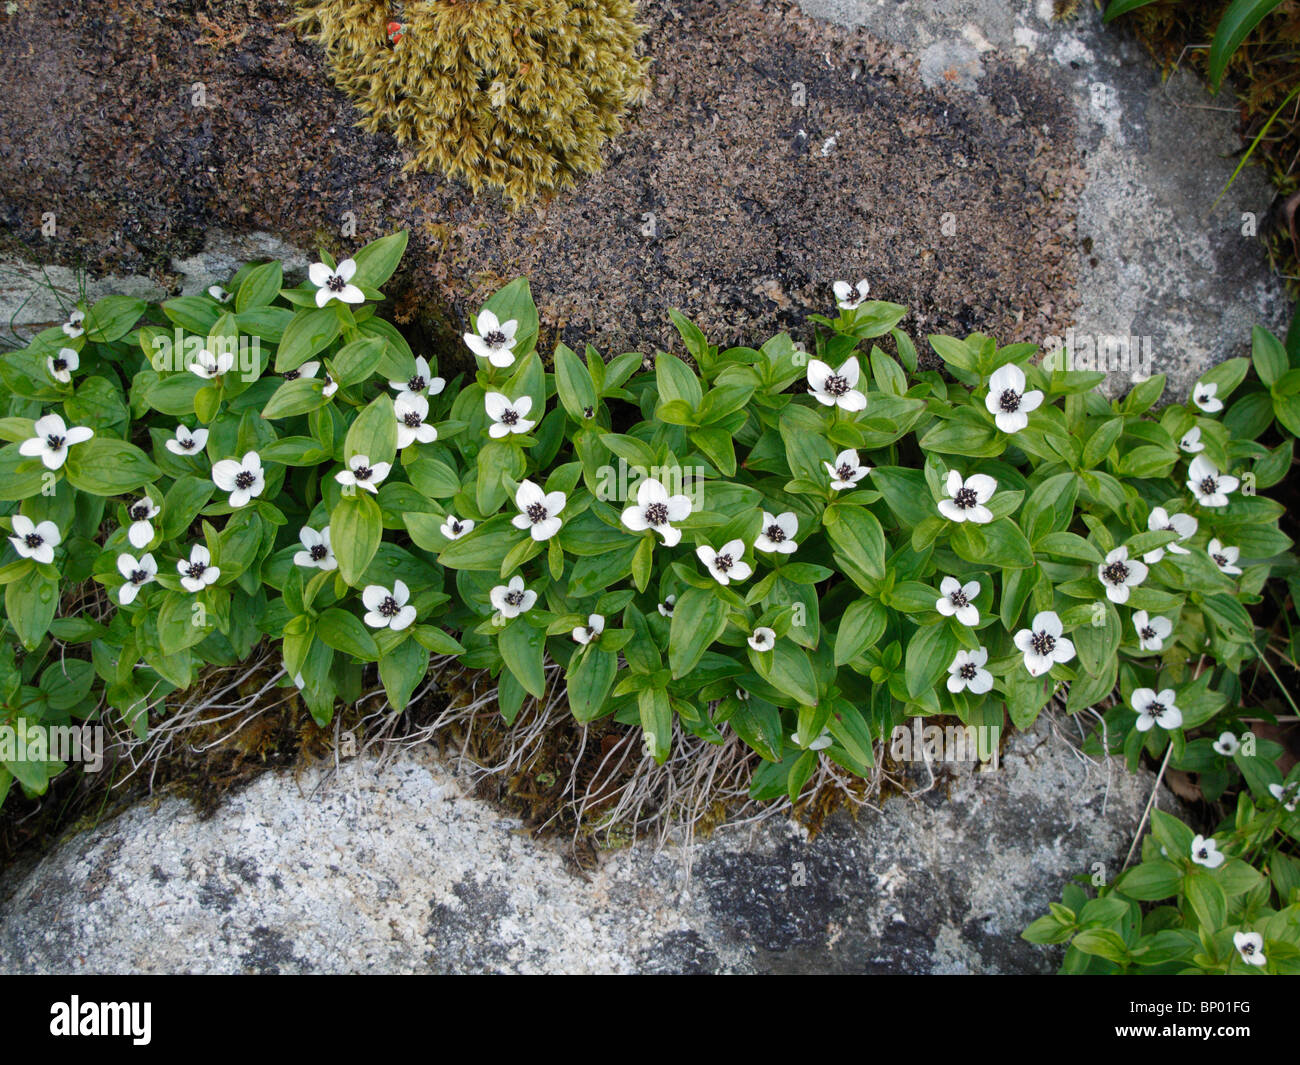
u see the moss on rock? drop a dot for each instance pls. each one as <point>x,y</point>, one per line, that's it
<point>513,95</point>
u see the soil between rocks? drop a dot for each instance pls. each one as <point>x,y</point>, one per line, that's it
<point>725,198</point>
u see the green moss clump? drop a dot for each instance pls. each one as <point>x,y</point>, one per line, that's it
<point>513,95</point>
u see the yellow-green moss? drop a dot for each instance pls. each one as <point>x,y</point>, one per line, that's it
<point>513,95</point>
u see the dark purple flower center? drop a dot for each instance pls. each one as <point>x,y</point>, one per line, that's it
<point>1043,643</point>
<point>140,512</point>
<point>60,363</point>
<point>1115,573</point>
<point>775,533</point>
<point>1147,633</point>
<point>1221,560</point>
<point>537,512</point>
<point>292,375</point>
<point>723,563</point>
<point>318,552</point>
<point>244,479</point>
<point>495,338</point>
<point>33,540</point>
<point>846,471</point>
<point>139,576</point>
<point>187,444</point>
<point>456,527</point>
<point>196,569</point>
<point>336,283</point>
<point>1203,853</point>
<point>587,412</point>
<point>416,384</point>
<point>836,385</point>
<point>389,607</point>
<point>1156,709</point>
<point>362,473</point>
<point>514,598</point>
<point>412,419</point>
<point>958,599</point>
<point>656,514</point>
<point>1009,401</point>
<point>54,442</point>
<point>965,498</point>
<point>968,671</point>
<point>509,416</point>
<point>1209,486</point>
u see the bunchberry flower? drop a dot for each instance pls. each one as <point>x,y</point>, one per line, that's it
<point>1208,485</point>
<point>958,600</point>
<point>62,365</point>
<point>778,532</point>
<point>138,573</point>
<point>762,638</point>
<point>727,564</point>
<point>1008,401</point>
<point>141,512</point>
<point>52,440</point>
<point>846,472</point>
<point>316,549</point>
<point>35,540</point>
<point>538,511</point>
<point>388,609</point>
<point>420,383</point>
<point>1042,643</point>
<point>1156,708</point>
<point>1206,852</point>
<point>1161,521</point>
<point>967,672</point>
<point>512,599</point>
<point>1151,632</point>
<point>410,409</point>
<point>493,339</point>
<point>1225,558</point>
<point>335,284</point>
<point>967,498</point>
<point>1119,574</point>
<point>850,297</point>
<point>362,473</point>
<point>198,572</point>
<point>454,528</point>
<point>585,634</point>
<point>1250,947</point>
<point>508,416</point>
<point>836,388</point>
<point>1203,396</point>
<point>655,509</point>
<point>243,478</point>
<point>186,442</point>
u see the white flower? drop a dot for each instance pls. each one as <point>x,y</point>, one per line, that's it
<point>1042,643</point>
<point>1225,558</point>
<point>218,293</point>
<point>1161,521</point>
<point>833,388</point>
<point>63,364</point>
<point>726,564</point>
<point>762,638</point>
<point>512,599</point>
<point>957,599</point>
<point>137,574</point>
<point>1156,708</point>
<point>585,634</point>
<point>1204,397</point>
<point>73,327</point>
<point>1191,441</point>
<point>1208,485</point>
<point>242,478</point>
<point>508,416</point>
<point>819,744</point>
<point>307,369</point>
<point>850,297</point>
<point>361,474</point>
<point>331,386</point>
<point>141,512</point>
<point>1286,795</point>
<point>1250,945</point>
<point>1119,574</point>
<point>537,511</point>
<point>1151,632</point>
<point>335,284</point>
<point>967,498</point>
<point>655,509</point>
<point>198,572</point>
<point>316,549</point>
<point>385,609</point>
<point>52,440</point>
<point>666,607</point>
<point>493,339</point>
<point>846,472</point>
<point>186,442</point>
<point>1008,401</point>
<point>420,383</point>
<point>208,366</point>
<point>1206,852</point>
<point>35,541</point>
<point>778,533</point>
<point>454,528</point>
<point>1227,744</point>
<point>411,409</point>
<point>967,672</point>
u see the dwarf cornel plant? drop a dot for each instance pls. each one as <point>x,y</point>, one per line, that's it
<point>804,548</point>
<point>513,95</point>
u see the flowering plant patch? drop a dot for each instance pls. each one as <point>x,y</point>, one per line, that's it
<point>807,548</point>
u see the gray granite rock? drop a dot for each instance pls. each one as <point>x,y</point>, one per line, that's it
<point>398,870</point>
